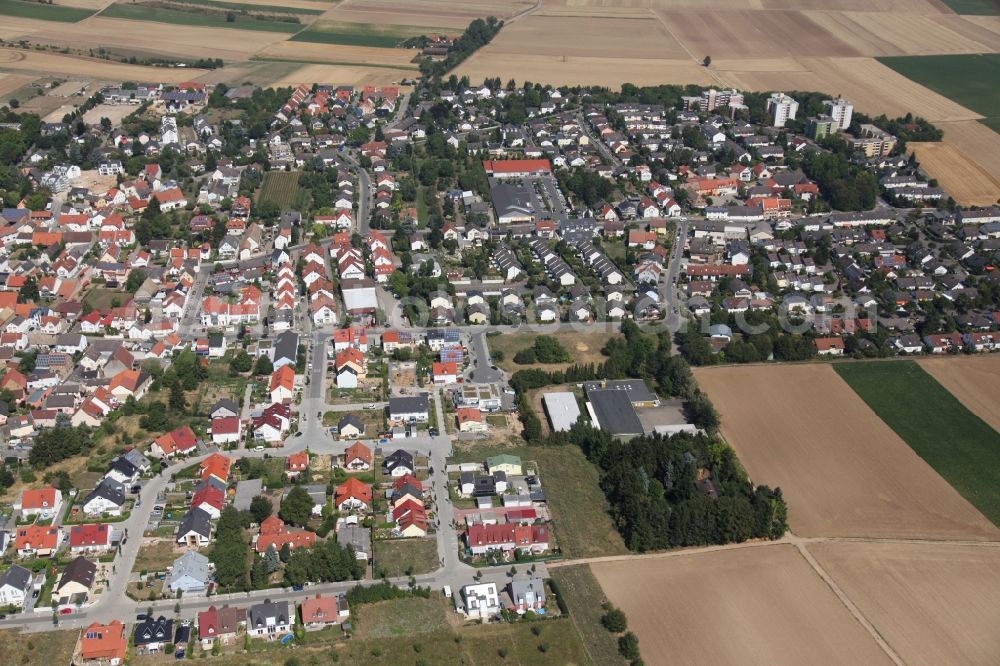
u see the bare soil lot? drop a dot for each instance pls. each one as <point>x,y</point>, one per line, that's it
<point>843,471</point>
<point>10,83</point>
<point>756,605</point>
<point>933,603</point>
<point>336,53</point>
<point>974,380</point>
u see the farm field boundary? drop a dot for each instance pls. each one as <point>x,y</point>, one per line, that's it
<point>959,445</point>
<point>44,12</point>
<point>160,14</point>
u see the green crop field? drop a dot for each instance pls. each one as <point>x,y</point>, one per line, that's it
<point>954,441</point>
<point>362,34</point>
<point>972,80</point>
<point>143,12</point>
<point>37,10</point>
<point>979,7</point>
<point>282,187</point>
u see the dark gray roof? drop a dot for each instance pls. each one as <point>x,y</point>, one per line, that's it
<point>196,520</point>
<point>635,388</point>
<point>351,419</point>
<point>286,346</point>
<point>614,411</point>
<point>397,458</point>
<point>81,570</point>
<point>17,577</point>
<point>258,613</point>
<point>153,630</point>
<point>408,404</point>
<point>107,489</point>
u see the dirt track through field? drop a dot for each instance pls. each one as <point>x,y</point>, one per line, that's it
<point>973,380</point>
<point>758,605</point>
<point>843,471</point>
<point>933,603</point>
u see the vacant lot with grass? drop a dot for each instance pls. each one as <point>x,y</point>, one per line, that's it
<point>155,556</point>
<point>101,298</point>
<point>282,188</point>
<point>843,471</point>
<point>579,509</point>
<point>583,596</point>
<point>361,34</point>
<point>52,647</point>
<point>164,14</point>
<point>405,557</point>
<point>584,347</point>
<point>954,441</point>
<point>44,12</point>
<point>933,603</point>
<point>972,80</point>
<point>761,605</point>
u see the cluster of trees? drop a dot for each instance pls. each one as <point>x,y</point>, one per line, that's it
<point>659,492</point>
<point>544,350</point>
<point>477,35</point>
<point>324,562</point>
<point>59,443</point>
<point>585,185</point>
<point>773,343</point>
<point>230,553</point>
<point>296,508</point>
<point>845,185</point>
<point>384,591</point>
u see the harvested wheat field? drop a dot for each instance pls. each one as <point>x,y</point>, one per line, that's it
<point>580,36</point>
<point>895,33</point>
<point>157,38</point>
<point>335,53</point>
<point>843,471</point>
<point>581,71</point>
<point>974,380</point>
<point>65,65</point>
<point>753,34</point>
<point>758,605</point>
<point>933,603</point>
<point>957,172</point>
<point>870,85</point>
<point>342,75</point>
<point>444,13</point>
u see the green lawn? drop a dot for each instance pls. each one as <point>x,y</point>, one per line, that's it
<point>581,523</point>
<point>282,187</point>
<point>142,12</point>
<point>37,10</point>
<point>405,557</point>
<point>583,596</point>
<point>954,441</point>
<point>972,80</point>
<point>980,7</point>
<point>362,34</point>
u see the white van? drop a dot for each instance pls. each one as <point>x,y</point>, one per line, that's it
<point>447,591</point>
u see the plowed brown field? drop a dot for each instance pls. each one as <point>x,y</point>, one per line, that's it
<point>762,605</point>
<point>843,471</point>
<point>933,603</point>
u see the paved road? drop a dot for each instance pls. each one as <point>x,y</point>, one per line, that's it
<point>483,373</point>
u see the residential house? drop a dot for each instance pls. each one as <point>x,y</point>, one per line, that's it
<point>102,645</point>
<point>44,503</point>
<point>152,634</point>
<point>76,582</point>
<point>482,601</point>
<point>189,573</point>
<point>220,624</point>
<point>319,611</point>
<point>269,620</point>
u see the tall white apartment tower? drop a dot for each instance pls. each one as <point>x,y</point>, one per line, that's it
<point>782,108</point>
<point>840,110</point>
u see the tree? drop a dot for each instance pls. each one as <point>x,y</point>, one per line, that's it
<point>614,620</point>
<point>628,646</point>
<point>271,559</point>
<point>707,61</point>
<point>297,507</point>
<point>260,508</point>
<point>264,365</point>
<point>28,293</point>
<point>135,279</point>
<point>258,574</point>
<point>230,552</point>
<point>177,401</point>
<point>241,362</point>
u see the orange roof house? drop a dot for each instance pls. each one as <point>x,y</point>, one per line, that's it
<point>352,494</point>
<point>216,465</point>
<point>274,532</point>
<point>282,381</point>
<point>358,456</point>
<point>105,643</point>
<point>297,463</point>
<point>42,540</point>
